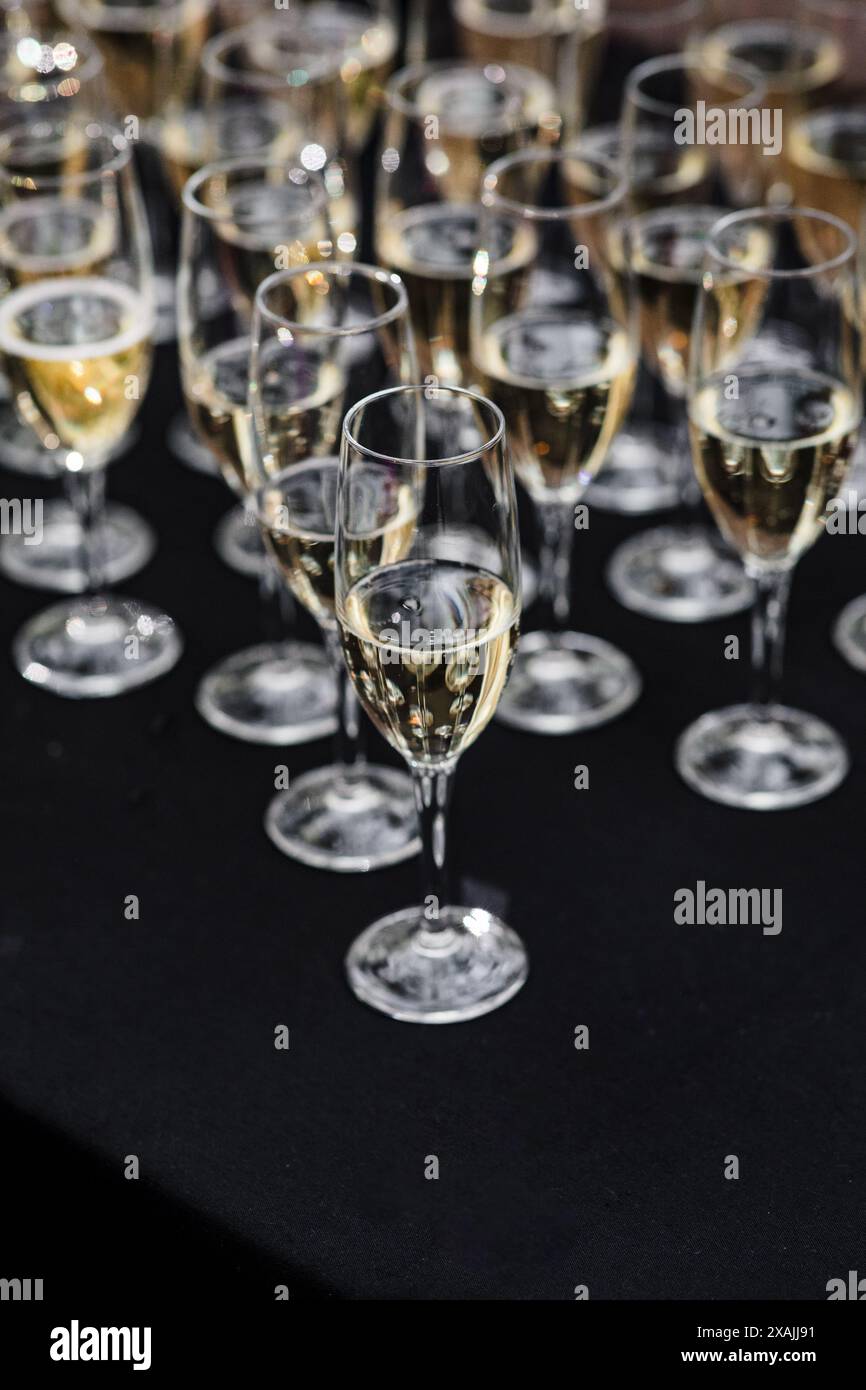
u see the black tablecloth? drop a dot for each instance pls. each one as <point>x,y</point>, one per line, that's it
<point>558,1167</point>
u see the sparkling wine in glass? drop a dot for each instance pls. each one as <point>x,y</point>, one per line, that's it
<point>50,83</point>
<point>76,328</point>
<point>323,337</point>
<point>150,52</point>
<point>429,642</point>
<point>445,123</point>
<point>772,432</point>
<point>798,63</point>
<point>243,103</point>
<point>673,572</point>
<point>553,341</point>
<point>242,218</point>
<point>683,571</point>
<point>640,474</point>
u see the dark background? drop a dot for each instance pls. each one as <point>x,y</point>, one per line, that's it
<point>306,1168</point>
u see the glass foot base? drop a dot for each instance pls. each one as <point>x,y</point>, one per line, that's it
<point>639,474</point>
<point>565,681</point>
<point>849,633</point>
<point>96,647</point>
<point>346,820</point>
<point>275,693</point>
<point>682,574</point>
<point>238,543</point>
<point>471,965</point>
<point>761,759</point>
<point>185,444</point>
<point>125,543</point>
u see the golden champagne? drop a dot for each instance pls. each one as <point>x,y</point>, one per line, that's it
<point>769,461</point>
<point>46,235</point>
<point>77,353</point>
<point>429,645</point>
<point>564,383</point>
<point>298,515</point>
<point>433,250</point>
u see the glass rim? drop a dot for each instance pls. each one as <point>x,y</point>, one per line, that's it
<point>537,212</point>
<point>233,164</point>
<point>789,214</point>
<point>786,80</point>
<point>503,123</point>
<point>496,438</point>
<point>213,65</point>
<point>118,161</point>
<point>92,63</point>
<point>689,61</point>
<point>339,270</point>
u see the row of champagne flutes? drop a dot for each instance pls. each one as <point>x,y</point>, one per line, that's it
<point>367,540</point>
<point>530,301</point>
<point>679,576</point>
<point>409,556</point>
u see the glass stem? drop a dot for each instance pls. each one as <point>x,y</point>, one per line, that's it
<point>690,491</point>
<point>432,798</point>
<point>768,633</point>
<point>556,555</point>
<point>348,741</point>
<point>276,617</point>
<point>86,494</point>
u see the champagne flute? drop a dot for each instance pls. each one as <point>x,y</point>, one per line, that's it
<point>640,474</point>
<point>428,642</point>
<point>677,572</point>
<point>270,87</point>
<point>665,253</point>
<point>445,123</point>
<point>323,336</point>
<point>363,35</point>
<point>242,217</point>
<point>48,81</point>
<point>798,62</point>
<point>553,340</point>
<point>150,49</point>
<point>198,124</point>
<point>558,38</point>
<point>280,64</point>
<point>38,158</point>
<point>771,440</point>
<point>75,340</point>
<point>237,107</point>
